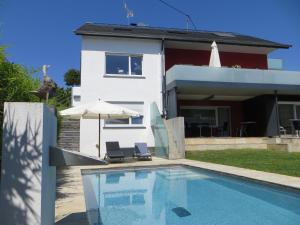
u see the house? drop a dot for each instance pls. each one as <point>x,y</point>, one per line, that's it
<point>135,66</point>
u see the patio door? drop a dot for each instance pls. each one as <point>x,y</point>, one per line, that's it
<point>224,120</point>
<point>297,107</point>
<point>286,113</point>
<point>206,120</point>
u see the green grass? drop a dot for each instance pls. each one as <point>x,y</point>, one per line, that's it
<point>280,162</point>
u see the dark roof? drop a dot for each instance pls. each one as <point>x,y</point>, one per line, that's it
<point>128,31</point>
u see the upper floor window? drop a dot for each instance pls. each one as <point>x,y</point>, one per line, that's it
<point>117,64</point>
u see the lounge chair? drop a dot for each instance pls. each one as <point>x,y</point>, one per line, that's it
<point>113,151</point>
<point>141,151</point>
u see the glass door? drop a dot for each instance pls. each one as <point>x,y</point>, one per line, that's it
<point>224,123</point>
<point>286,113</point>
<point>297,108</point>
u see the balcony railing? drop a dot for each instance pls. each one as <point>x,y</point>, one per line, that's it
<point>232,75</point>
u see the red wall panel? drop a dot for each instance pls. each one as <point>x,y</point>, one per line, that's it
<point>201,57</point>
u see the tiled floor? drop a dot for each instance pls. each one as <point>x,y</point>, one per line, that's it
<point>70,205</point>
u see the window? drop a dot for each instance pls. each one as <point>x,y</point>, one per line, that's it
<point>124,64</point>
<point>136,65</point>
<point>139,107</point>
<point>77,98</point>
<point>200,115</point>
<point>117,64</point>
<point>287,112</point>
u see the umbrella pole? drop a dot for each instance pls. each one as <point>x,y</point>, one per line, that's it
<point>99,136</point>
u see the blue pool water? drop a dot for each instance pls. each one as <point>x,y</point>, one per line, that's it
<point>186,196</point>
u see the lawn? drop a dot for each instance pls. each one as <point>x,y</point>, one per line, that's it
<point>264,160</point>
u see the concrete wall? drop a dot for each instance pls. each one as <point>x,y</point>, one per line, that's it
<point>28,183</point>
<point>172,103</point>
<point>96,84</point>
<point>175,128</point>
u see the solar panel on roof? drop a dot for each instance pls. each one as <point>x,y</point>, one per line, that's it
<point>221,34</point>
<point>175,32</point>
<point>122,29</point>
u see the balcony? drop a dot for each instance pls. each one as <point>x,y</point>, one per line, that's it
<point>207,80</point>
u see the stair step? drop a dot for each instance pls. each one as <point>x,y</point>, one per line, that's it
<point>69,134</point>
<point>68,143</point>
<point>64,134</point>
<point>178,175</point>
<point>70,127</point>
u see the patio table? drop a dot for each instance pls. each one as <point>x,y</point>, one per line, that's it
<point>206,125</point>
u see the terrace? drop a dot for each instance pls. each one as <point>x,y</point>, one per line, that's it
<point>232,96</point>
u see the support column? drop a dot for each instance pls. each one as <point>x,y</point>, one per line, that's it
<point>172,103</point>
<point>277,112</point>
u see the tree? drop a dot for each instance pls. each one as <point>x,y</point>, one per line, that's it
<point>62,98</point>
<point>72,77</point>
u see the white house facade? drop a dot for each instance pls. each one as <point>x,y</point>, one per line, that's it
<point>125,72</point>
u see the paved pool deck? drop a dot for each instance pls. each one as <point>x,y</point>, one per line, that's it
<point>70,204</point>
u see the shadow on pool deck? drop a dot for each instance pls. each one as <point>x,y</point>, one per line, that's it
<point>74,219</point>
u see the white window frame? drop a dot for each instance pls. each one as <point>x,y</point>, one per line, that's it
<point>130,124</point>
<point>129,65</point>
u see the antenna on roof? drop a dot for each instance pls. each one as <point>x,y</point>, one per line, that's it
<point>187,16</point>
<point>129,13</point>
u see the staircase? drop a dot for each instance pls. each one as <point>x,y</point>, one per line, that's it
<point>179,174</point>
<point>69,135</point>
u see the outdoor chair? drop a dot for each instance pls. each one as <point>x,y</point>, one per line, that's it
<point>296,126</point>
<point>141,151</point>
<point>113,151</point>
<point>282,130</point>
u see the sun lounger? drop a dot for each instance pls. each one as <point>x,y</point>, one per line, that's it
<point>113,151</point>
<point>141,151</point>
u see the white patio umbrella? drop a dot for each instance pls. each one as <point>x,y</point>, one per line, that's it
<point>98,110</point>
<point>214,60</point>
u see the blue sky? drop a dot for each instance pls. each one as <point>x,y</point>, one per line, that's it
<point>40,32</point>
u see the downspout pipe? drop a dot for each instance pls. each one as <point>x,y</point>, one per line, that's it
<point>277,112</point>
<point>164,83</point>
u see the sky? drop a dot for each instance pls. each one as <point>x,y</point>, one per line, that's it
<point>38,32</point>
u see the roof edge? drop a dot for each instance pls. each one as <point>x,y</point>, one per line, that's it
<point>78,31</point>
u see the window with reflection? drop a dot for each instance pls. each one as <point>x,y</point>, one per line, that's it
<point>136,65</point>
<point>119,64</point>
<point>136,106</point>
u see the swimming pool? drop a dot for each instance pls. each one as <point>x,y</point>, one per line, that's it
<point>187,196</point>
